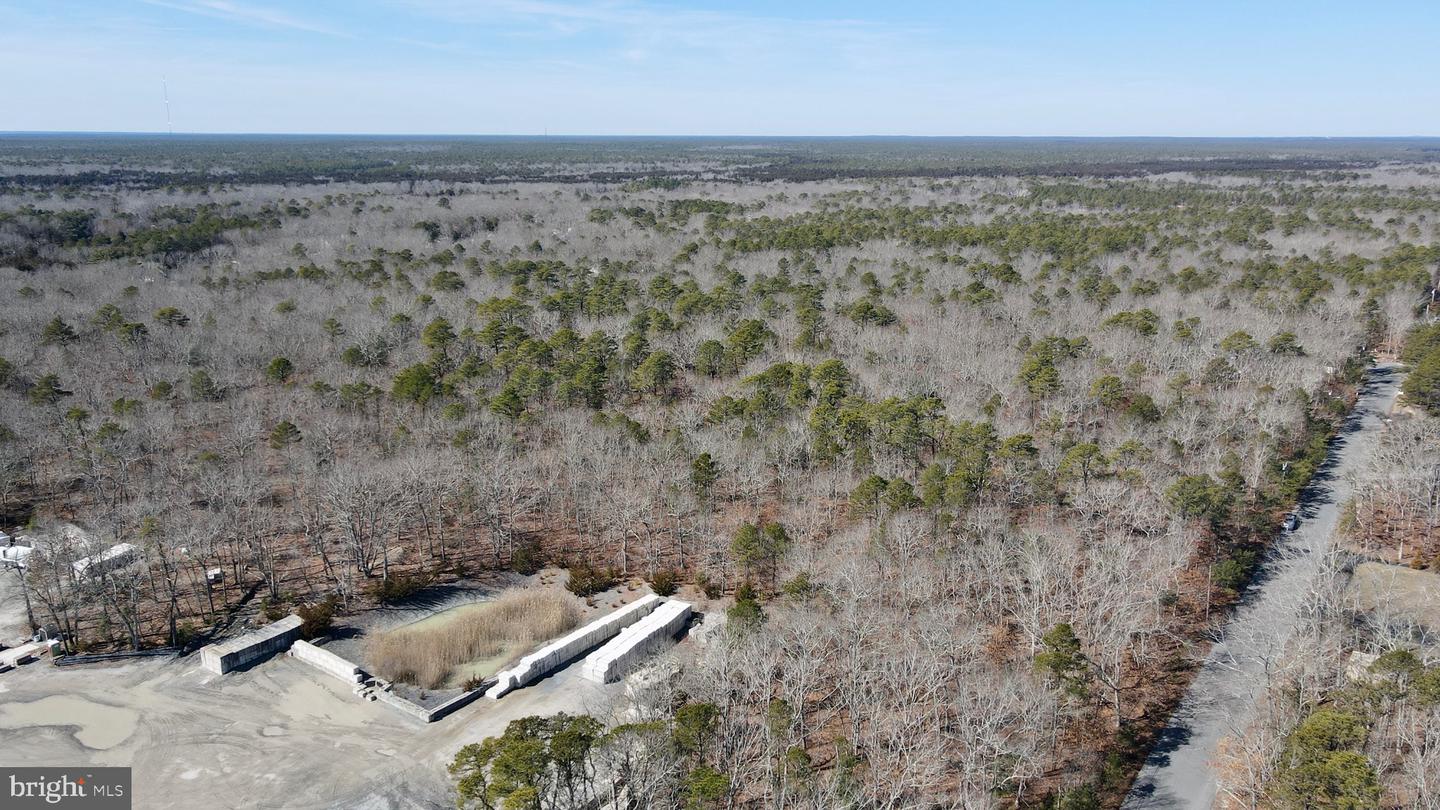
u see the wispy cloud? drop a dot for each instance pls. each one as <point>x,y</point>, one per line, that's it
<point>650,29</point>
<point>247,14</point>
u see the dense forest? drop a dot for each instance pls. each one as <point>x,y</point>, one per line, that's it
<point>973,443</point>
<point>74,161</point>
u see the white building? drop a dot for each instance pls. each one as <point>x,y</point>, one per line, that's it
<point>14,556</point>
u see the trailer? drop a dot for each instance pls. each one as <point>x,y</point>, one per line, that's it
<point>117,556</point>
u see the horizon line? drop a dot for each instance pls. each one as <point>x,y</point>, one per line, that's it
<point>547,135</point>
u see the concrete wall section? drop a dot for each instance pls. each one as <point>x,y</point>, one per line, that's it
<point>561,651</point>
<point>262,643</point>
<point>327,662</point>
<point>453,704</point>
<point>404,706</point>
<point>376,689</point>
<point>625,652</point>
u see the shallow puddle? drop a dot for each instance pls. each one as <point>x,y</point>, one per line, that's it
<point>445,616</point>
<point>95,725</point>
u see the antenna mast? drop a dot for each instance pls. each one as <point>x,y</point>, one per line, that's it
<point>165,87</point>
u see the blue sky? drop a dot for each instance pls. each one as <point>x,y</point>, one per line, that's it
<point>615,67</point>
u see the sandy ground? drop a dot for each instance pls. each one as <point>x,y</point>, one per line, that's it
<point>1396,594</point>
<point>280,735</point>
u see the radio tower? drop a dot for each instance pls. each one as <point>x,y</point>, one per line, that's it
<point>165,87</point>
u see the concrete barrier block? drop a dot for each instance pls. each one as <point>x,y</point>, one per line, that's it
<point>625,652</point>
<point>559,652</point>
<point>252,646</point>
<point>327,662</point>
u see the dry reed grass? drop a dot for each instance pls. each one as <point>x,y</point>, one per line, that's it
<point>428,656</point>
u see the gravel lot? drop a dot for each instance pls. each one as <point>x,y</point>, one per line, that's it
<point>280,735</point>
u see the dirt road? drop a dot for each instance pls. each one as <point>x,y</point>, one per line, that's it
<point>1178,773</point>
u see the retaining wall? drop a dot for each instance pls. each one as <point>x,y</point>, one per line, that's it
<point>458,702</point>
<point>561,651</point>
<point>625,652</point>
<point>327,662</point>
<point>405,706</point>
<point>253,646</point>
<point>419,712</point>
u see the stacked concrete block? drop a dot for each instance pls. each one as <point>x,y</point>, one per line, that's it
<point>557,653</point>
<point>625,652</point>
<point>327,662</point>
<point>24,654</point>
<point>253,646</point>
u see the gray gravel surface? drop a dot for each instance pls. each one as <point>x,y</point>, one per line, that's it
<point>1178,773</point>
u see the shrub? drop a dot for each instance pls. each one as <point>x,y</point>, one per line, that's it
<point>284,435</point>
<point>203,386</point>
<point>398,587</point>
<point>799,586</point>
<point>170,316</point>
<point>587,580</point>
<point>316,619</point>
<point>664,583</point>
<point>184,633</point>
<point>1077,798</point>
<point>528,557</point>
<point>746,613</point>
<point>427,657</point>
<point>712,590</point>
<point>1233,572</point>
